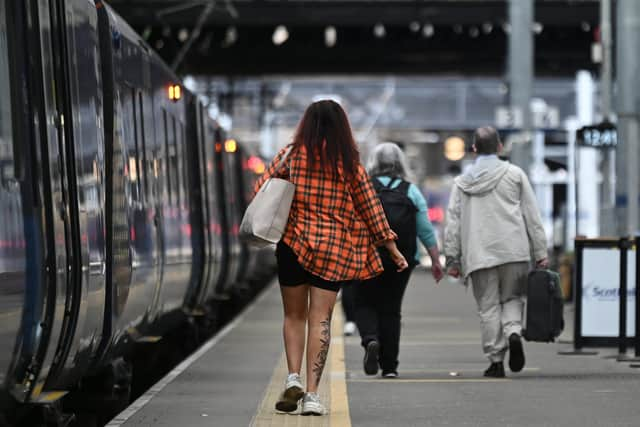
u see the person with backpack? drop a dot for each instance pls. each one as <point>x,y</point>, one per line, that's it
<point>334,225</point>
<point>378,301</point>
<point>493,229</point>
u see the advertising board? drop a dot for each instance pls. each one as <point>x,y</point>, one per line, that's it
<point>601,292</point>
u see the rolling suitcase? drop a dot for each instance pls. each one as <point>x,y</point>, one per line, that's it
<point>544,310</point>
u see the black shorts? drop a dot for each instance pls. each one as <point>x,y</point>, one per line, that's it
<point>291,273</point>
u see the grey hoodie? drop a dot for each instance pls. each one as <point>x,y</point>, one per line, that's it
<point>492,218</point>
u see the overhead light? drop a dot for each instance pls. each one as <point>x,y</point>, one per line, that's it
<point>457,29</point>
<point>506,27</point>
<point>230,37</point>
<point>487,27</point>
<point>183,35</point>
<point>159,44</point>
<point>586,27</point>
<point>146,32</point>
<point>537,27</point>
<point>414,26</point>
<point>454,148</point>
<point>474,32</point>
<point>379,31</point>
<point>280,35</point>
<point>330,36</point>
<point>428,30</point>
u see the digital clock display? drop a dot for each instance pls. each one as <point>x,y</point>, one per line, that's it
<point>604,135</point>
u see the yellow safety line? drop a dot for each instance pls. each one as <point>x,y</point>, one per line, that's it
<point>339,408</point>
<point>332,390</point>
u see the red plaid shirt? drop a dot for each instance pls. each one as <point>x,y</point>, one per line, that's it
<point>334,224</point>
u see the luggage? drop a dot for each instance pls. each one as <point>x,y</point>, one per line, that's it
<point>544,312</point>
<point>401,215</point>
<point>267,215</point>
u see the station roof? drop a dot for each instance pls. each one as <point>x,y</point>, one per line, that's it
<point>464,37</point>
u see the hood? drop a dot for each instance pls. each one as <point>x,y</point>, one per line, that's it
<point>483,176</point>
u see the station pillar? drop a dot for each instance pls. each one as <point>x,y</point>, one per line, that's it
<point>628,110</point>
<point>520,74</point>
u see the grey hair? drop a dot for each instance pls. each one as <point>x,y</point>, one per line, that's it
<point>389,160</point>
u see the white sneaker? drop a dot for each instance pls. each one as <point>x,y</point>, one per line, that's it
<point>293,392</point>
<point>311,405</point>
<point>349,328</point>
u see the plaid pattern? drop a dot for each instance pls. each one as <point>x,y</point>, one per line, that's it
<point>334,225</point>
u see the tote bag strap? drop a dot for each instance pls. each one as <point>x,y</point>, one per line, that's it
<point>284,158</point>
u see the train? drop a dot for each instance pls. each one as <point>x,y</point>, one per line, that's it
<point>120,201</point>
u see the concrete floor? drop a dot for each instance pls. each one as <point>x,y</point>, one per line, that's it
<point>235,381</point>
<point>441,336</point>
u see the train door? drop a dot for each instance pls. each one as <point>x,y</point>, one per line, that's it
<point>198,207</point>
<point>145,234</point>
<point>149,176</point>
<point>80,100</point>
<point>24,288</point>
<point>215,220</point>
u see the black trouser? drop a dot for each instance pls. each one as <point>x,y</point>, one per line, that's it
<point>348,301</point>
<point>378,303</point>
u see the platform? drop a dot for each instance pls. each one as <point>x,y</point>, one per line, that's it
<point>235,378</point>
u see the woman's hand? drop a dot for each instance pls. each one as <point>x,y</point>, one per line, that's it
<point>436,270</point>
<point>436,267</point>
<point>396,256</point>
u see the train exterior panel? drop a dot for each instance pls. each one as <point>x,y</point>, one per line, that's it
<point>121,200</point>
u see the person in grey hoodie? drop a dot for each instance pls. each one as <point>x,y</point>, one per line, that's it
<point>493,229</point>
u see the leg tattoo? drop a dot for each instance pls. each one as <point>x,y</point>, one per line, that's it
<point>321,359</point>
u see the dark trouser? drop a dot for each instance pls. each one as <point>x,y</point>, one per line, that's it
<point>348,301</point>
<point>378,302</point>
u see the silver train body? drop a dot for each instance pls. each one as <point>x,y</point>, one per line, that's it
<point>120,200</point>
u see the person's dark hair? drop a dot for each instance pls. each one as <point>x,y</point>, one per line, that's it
<point>326,134</point>
<point>486,140</point>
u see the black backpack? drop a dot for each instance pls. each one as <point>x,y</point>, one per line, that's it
<point>401,215</point>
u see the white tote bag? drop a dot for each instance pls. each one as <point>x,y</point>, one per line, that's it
<point>266,216</point>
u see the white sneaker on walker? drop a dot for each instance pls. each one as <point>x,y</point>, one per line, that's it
<point>293,392</point>
<point>311,405</point>
<point>349,328</point>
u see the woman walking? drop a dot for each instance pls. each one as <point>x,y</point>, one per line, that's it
<point>334,224</point>
<point>378,301</point>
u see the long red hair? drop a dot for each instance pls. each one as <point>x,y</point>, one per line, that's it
<point>325,132</point>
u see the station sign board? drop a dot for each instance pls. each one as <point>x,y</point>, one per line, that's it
<point>603,135</point>
<point>601,292</point>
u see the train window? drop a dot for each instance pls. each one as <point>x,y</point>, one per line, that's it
<point>135,164</point>
<point>6,131</point>
<point>185,161</point>
<point>173,160</point>
<point>147,167</point>
<point>167,169</point>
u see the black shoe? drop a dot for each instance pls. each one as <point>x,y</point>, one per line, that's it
<point>516,353</point>
<point>371,357</point>
<point>389,374</point>
<point>495,370</point>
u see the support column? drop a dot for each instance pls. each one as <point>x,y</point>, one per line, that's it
<point>628,108</point>
<point>520,70</point>
<point>608,193</point>
<point>588,175</point>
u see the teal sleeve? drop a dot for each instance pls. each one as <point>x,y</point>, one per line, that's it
<point>426,233</point>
